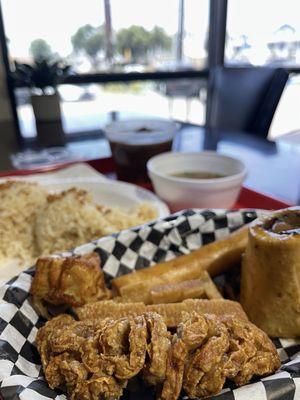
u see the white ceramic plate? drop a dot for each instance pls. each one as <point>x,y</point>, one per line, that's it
<point>111,193</point>
<point>104,191</point>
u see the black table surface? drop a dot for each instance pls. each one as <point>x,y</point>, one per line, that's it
<point>273,167</point>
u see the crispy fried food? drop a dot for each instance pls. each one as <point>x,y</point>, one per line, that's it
<point>202,288</point>
<point>174,372</point>
<point>253,348</point>
<point>172,313</point>
<point>212,350</point>
<point>114,339</point>
<point>52,340</point>
<point>98,387</point>
<point>158,346</point>
<point>214,258</point>
<point>270,290</point>
<point>204,371</point>
<point>235,350</point>
<point>95,360</point>
<point>44,336</point>
<point>71,356</point>
<point>101,310</point>
<point>70,281</point>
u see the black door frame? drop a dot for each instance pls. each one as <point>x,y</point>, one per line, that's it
<point>9,80</point>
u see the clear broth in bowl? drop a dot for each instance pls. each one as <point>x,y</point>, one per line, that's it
<point>197,175</point>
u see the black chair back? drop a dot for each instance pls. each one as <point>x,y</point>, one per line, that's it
<point>245,98</point>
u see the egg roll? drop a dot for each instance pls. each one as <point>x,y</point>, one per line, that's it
<point>270,283</point>
<point>203,288</point>
<point>173,313</point>
<point>215,258</point>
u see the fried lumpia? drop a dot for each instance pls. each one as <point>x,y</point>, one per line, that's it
<point>173,313</point>
<point>203,288</point>
<point>215,258</point>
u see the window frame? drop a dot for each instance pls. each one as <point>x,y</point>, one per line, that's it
<point>216,8</point>
<point>216,57</point>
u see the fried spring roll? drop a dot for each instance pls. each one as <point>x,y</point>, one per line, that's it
<point>214,258</point>
<point>203,288</point>
<point>173,313</point>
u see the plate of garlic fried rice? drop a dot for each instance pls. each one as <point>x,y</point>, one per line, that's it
<point>49,215</point>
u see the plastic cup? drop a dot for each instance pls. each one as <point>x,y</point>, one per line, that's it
<point>134,142</point>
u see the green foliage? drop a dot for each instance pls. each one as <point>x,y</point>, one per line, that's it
<point>90,40</point>
<point>80,38</point>
<point>159,40</point>
<point>95,44</point>
<point>40,50</point>
<point>140,41</point>
<point>136,39</point>
<point>42,74</point>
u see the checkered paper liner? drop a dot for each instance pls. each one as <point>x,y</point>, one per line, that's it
<point>21,374</point>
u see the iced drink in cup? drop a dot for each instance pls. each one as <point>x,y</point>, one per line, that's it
<point>134,142</point>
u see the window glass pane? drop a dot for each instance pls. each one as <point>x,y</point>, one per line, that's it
<point>287,118</point>
<point>196,32</point>
<point>86,109</point>
<point>53,22</point>
<point>109,35</point>
<point>263,32</point>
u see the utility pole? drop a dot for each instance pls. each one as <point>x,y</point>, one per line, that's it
<point>180,33</point>
<point>108,31</point>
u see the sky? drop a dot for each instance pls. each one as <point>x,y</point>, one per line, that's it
<point>57,20</point>
<point>259,20</point>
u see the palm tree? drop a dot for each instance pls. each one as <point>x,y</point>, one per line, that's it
<point>108,31</point>
<point>180,33</point>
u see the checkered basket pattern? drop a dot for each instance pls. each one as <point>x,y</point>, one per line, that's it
<point>21,375</point>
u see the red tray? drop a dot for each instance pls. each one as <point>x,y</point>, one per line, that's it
<point>248,198</point>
